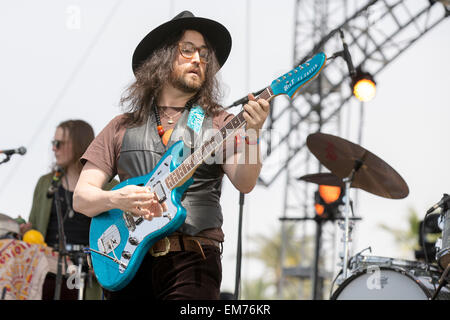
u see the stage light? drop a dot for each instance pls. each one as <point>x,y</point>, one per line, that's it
<point>363,85</point>
<point>320,209</point>
<point>327,202</point>
<point>329,194</point>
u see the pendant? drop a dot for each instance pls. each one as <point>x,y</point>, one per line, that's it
<point>170,121</point>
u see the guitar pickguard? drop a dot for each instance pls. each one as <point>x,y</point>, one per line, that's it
<point>138,227</point>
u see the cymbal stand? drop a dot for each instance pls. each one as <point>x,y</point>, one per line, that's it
<point>348,181</point>
<point>81,276</point>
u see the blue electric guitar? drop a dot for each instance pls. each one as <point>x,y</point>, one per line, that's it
<point>119,241</point>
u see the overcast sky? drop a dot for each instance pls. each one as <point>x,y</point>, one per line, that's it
<point>56,67</point>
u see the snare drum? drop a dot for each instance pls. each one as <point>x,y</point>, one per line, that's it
<point>382,278</point>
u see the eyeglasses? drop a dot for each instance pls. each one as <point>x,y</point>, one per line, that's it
<point>57,143</point>
<point>188,49</point>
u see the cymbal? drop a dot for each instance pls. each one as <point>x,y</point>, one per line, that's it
<point>325,178</point>
<point>372,173</point>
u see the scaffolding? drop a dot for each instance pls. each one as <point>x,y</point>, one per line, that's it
<point>376,34</point>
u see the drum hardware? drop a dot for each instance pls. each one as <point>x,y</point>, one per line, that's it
<point>352,265</point>
<point>347,227</point>
<point>443,255</point>
<point>327,179</point>
<point>354,261</point>
<point>444,280</point>
<point>429,244</point>
<point>383,278</point>
<point>356,167</point>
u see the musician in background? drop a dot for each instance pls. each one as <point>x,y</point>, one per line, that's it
<point>175,95</point>
<point>71,139</point>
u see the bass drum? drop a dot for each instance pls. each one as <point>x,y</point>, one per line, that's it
<point>380,278</point>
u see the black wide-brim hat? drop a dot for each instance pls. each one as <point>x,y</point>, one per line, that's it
<point>216,34</point>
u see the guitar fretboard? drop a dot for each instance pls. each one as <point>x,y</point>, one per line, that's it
<point>187,168</point>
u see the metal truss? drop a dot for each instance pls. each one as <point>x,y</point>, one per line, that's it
<point>376,33</point>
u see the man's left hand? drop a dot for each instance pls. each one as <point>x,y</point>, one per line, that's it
<point>256,112</point>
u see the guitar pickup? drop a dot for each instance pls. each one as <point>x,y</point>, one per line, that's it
<point>159,190</point>
<point>129,221</point>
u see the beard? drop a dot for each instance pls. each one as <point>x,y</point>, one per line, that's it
<point>185,82</point>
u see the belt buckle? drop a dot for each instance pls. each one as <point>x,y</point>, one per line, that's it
<point>162,253</point>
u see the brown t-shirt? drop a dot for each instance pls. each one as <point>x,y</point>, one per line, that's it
<point>104,151</point>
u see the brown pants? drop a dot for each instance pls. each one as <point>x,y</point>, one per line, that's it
<point>183,275</point>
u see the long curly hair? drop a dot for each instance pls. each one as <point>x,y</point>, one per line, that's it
<point>141,96</point>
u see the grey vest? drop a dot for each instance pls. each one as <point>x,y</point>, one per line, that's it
<point>141,150</point>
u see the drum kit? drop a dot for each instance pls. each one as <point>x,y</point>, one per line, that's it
<point>371,277</point>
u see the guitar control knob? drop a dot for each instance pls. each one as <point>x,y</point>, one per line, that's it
<point>133,241</point>
<point>126,255</point>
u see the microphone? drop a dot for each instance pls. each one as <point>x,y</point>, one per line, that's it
<point>440,204</point>
<point>56,180</point>
<point>21,151</point>
<point>346,55</point>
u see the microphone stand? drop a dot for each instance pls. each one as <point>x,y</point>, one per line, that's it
<point>62,251</point>
<point>241,209</point>
<point>8,157</point>
<point>239,248</point>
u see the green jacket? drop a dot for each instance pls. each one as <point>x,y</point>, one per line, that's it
<point>40,216</point>
<point>42,206</point>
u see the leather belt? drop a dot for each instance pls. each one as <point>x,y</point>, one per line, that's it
<point>181,243</point>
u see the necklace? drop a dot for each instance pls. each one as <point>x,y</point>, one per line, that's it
<point>159,126</point>
<point>170,121</point>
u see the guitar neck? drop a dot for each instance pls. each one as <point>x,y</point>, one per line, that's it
<point>186,169</point>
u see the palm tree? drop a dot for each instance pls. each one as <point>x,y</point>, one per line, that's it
<point>406,240</point>
<point>256,289</point>
<point>269,253</point>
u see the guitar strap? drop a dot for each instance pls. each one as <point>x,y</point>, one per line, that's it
<point>191,128</point>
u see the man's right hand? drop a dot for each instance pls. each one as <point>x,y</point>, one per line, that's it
<point>139,201</point>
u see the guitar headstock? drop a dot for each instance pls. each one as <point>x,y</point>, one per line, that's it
<point>289,83</point>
